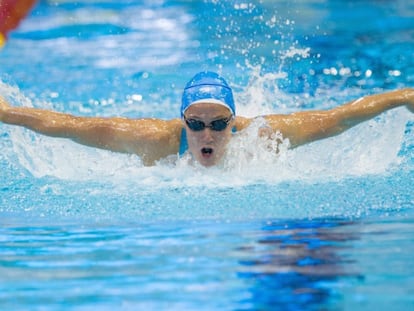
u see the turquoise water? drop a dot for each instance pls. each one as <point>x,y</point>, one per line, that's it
<point>328,226</point>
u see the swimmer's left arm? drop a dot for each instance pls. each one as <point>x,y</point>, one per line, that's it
<point>307,126</point>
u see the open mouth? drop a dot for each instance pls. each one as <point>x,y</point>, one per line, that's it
<point>206,152</point>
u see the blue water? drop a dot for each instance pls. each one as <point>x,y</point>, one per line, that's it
<point>328,226</point>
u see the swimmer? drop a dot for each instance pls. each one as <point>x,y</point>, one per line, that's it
<point>208,120</point>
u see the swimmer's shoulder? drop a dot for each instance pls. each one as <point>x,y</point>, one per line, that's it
<point>242,122</point>
<point>155,139</point>
<point>175,127</point>
<point>274,120</point>
<point>170,131</point>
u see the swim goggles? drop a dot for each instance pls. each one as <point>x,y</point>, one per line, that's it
<point>216,125</point>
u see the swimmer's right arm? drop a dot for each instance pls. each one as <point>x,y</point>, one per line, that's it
<point>151,139</point>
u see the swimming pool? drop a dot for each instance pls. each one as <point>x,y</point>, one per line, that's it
<point>326,226</point>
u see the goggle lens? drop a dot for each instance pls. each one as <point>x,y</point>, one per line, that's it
<point>216,125</point>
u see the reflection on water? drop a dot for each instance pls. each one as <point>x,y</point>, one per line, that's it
<point>330,264</point>
<point>293,265</point>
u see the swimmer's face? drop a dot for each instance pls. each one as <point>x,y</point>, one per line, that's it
<point>208,145</point>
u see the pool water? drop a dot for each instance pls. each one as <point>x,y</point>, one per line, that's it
<point>327,226</point>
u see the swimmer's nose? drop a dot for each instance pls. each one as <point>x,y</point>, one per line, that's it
<point>207,135</point>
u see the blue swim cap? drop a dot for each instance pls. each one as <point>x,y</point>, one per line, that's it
<point>208,87</point>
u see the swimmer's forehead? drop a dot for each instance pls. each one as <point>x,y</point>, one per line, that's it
<point>207,110</point>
